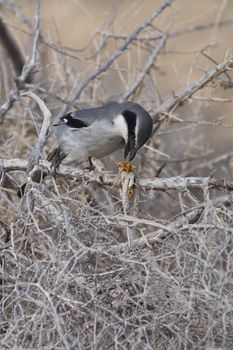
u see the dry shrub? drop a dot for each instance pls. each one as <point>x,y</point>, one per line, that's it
<point>70,280</point>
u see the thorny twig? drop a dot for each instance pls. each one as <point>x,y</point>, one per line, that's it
<point>179,97</point>
<point>150,62</point>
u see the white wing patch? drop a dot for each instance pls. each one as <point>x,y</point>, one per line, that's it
<point>121,126</point>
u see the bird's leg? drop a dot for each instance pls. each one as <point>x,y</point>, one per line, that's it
<point>160,169</point>
<point>90,162</point>
<point>91,166</point>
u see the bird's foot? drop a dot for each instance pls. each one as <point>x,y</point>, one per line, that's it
<point>91,166</point>
<point>158,172</point>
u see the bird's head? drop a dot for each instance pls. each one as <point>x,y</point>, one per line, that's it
<point>139,128</point>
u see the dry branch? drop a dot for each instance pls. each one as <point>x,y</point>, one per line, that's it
<point>179,97</point>
<point>191,29</point>
<point>121,49</point>
<point>31,64</point>
<point>27,68</point>
<point>177,183</point>
<point>150,62</point>
<point>37,151</point>
<point>164,229</point>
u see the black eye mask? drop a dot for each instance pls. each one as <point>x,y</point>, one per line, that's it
<point>130,147</point>
<point>72,122</point>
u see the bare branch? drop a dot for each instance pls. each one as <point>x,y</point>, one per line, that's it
<point>10,6</point>
<point>121,49</point>
<point>30,65</point>
<point>187,30</point>
<point>180,183</point>
<point>165,229</point>
<point>177,183</point>
<point>37,151</point>
<point>150,62</point>
<point>27,69</point>
<point>179,97</point>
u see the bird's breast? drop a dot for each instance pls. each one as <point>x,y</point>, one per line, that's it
<point>97,140</point>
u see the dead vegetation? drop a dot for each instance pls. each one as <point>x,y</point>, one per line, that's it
<point>69,279</point>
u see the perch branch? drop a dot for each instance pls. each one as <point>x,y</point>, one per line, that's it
<point>177,183</point>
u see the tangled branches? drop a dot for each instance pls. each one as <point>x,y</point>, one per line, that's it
<point>84,265</point>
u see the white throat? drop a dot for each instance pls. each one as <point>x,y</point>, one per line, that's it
<point>121,126</point>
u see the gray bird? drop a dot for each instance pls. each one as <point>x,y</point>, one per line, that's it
<point>98,132</point>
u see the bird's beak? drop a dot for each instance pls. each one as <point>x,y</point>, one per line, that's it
<point>126,151</point>
<point>130,148</point>
<point>132,153</point>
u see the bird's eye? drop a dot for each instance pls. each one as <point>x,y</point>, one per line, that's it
<point>65,120</point>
